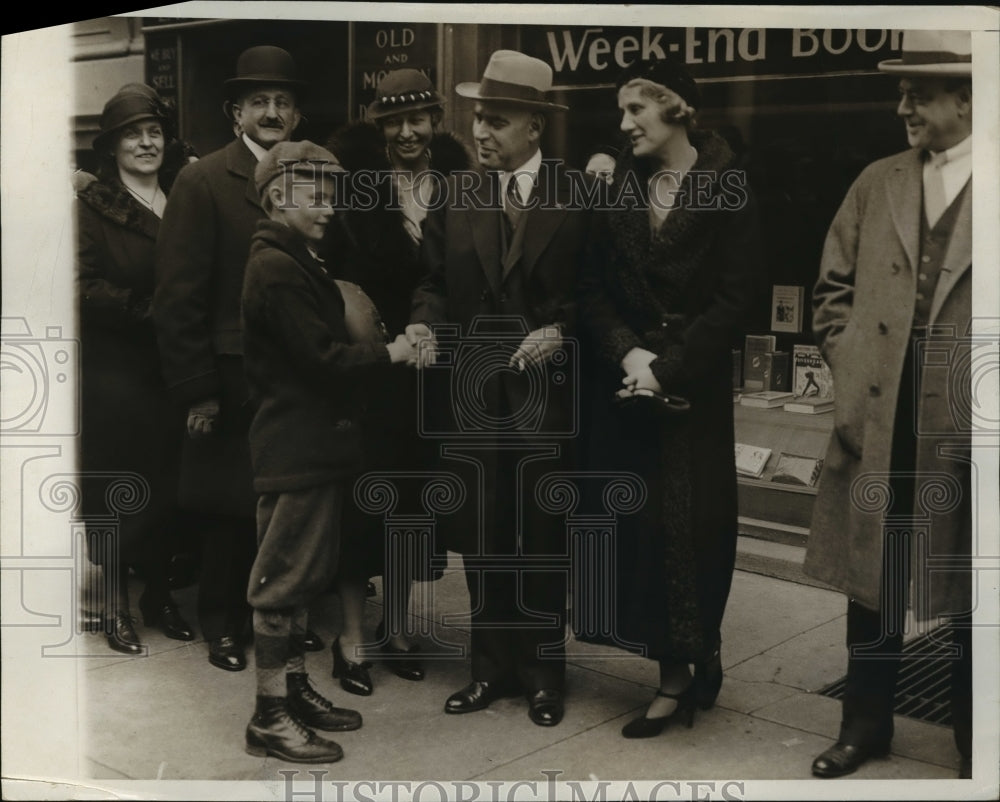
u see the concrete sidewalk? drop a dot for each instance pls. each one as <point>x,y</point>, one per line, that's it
<point>171,715</point>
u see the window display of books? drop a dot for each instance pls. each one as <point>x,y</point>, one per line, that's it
<point>766,399</point>
<point>811,377</point>
<point>795,469</point>
<point>809,406</point>
<point>786,307</point>
<point>751,460</point>
<point>755,349</point>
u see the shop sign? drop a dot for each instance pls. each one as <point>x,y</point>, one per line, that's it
<point>380,47</point>
<point>162,66</point>
<point>595,55</point>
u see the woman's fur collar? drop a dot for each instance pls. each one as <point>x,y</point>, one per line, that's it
<point>114,202</point>
<point>360,146</point>
<point>675,253</point>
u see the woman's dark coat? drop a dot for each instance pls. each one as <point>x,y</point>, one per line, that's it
<point>682,294</point>
<point>371,248</point>
<point>128,422</point>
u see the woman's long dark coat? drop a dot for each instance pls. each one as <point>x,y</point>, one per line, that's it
<point>683,294</point>
<point>372,249</point>
<point>128,422</point>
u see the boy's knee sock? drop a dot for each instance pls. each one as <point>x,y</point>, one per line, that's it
<point>296,662</point>
<point>271,632</point>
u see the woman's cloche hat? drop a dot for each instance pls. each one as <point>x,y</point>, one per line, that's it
<point>131,103</point>
<point>401,91</point>
<point>933,54</point>
<point>512,77</point>
<point>264,65</point>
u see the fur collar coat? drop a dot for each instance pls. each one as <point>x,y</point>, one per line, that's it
<point>662,287</point>
<point>682,292</point>
<point>115,240</point>
<point>371,247</point>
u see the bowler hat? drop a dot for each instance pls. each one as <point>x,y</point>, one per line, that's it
<point>263,65</point>
<point>131,103</point>
<point>304,158</point>
<point>514,78</point>
<point>403,90</point>
<point>933,54</point>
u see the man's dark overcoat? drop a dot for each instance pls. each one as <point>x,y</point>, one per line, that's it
<point>201,256</point>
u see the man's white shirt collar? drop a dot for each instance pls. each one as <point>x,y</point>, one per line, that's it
<point>955,165</point>
<point>526,175</point>
<point>255,149</point>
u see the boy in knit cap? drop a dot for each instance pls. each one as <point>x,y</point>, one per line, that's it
<point>303,372</point>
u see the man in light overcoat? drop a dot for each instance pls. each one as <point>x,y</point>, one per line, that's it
<point>892,314</point>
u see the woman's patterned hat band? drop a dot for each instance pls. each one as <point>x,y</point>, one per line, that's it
<point>412,97</point>
<point>665,72</point>
<point>403,90</point>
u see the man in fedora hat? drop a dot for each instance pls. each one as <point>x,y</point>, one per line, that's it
<point>510,253</point>
<point>895,284</point>
<point>201,253</point>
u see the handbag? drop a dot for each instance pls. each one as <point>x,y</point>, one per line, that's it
<point>660,403</point>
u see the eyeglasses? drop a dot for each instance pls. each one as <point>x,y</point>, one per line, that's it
<point>262,102</point>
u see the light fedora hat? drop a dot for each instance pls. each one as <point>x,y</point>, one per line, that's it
<point>933,54</point>
<point>512,77</point>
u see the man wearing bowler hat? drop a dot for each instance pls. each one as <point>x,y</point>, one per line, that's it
<point>892,313</point>
<point>508,257</point>
<point>201,253</point>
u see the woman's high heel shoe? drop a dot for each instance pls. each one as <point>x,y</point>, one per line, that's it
<point>122,637</point>
<point>708,679</point>
<point>354,677</point>
<point>398,662</point>
<point>644,727</point>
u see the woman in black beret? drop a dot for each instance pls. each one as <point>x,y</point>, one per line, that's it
<point>669,276</point>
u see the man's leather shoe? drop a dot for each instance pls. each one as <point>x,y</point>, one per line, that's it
<point>477,696</point>
<point>227,654</point>
<point>841,759</point>
<point>169,620</point>
<point>545,707</point>
<point>122,637</point>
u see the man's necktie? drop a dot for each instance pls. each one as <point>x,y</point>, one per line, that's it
<point>512,203</point>
<point>935,201</point>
